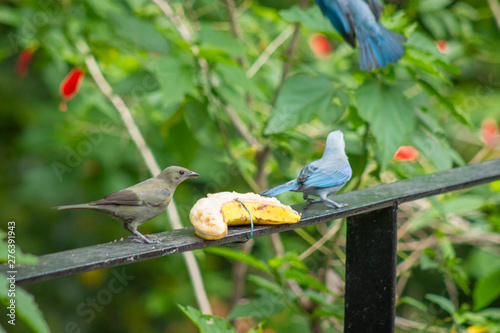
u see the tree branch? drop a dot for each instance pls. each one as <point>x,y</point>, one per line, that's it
<point>149,159</point>
<point>270,49</point>
<point>495,9</point>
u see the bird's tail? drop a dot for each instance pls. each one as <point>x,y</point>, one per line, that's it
<point>290,186</point>
<point>77,206</point>
<point>379,50</point>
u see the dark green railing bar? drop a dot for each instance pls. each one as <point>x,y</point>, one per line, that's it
<point>370,199</point>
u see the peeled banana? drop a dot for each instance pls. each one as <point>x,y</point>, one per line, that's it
<point>210,216</point>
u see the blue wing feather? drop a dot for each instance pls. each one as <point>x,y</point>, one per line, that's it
<point>322,178</point>
<point>340,18</point>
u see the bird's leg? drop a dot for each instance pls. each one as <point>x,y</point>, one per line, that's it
<point>140,237</point>
<point>337,205</point>
<point>309,200</point>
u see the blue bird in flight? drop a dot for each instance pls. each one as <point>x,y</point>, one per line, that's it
<point>353,19</point>
<point>322,177</point>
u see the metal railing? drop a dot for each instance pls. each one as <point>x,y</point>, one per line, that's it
<point>371,243</point>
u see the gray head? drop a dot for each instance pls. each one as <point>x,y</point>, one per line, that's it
<point>335,143</point>
<point>176,174</point>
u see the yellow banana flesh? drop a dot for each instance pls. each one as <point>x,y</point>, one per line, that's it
<point>210,216</point>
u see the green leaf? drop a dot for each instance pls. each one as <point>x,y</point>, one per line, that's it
<point>450,68</point>
<point>267,305</point>
<point>327,308</point>
<point>301,97</point>
<point>266,284</point>
<point>311,17</point>
<point>333,113</point>
<point>236,77</point>
<point>443,302</point>
<point>432,5</point>
<point>447,248</point>
<point>458,205</point>
<point>258,329</point>
<point>492,313</point>
<point>432,149</point>
<point>207,323</point>
<point>426,262</point>
<point>425,66</point>
<point>413,302</point>
<point>21,258</point>
<point>389,114</point>
<point>140,33</point>
<point>10,16</point>
<point>445,102</point>
<point>215,41</point>
<point>176,77</point>
<point>422,43</point>
<point>487,290</point>
<point>481,262</point>
<point>26,308</point>
<point>239,256</point>
<point>304,279</point>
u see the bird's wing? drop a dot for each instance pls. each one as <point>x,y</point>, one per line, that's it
<point>314,175</point>
<point>124,197</point>
<point>155,198</point>
<point>376,7</point>
<point>145,193</point>
<point>339,15</point>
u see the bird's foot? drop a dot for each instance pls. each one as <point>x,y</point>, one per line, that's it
<point>311,201</point>
<point>145,239</point>
<point>327,201</point>
<point>334,204</point>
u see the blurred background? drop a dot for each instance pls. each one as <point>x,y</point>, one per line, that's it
<point>246,98</point>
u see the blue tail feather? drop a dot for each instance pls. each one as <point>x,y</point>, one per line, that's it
<point>381,49</point>
<point>290,186</point>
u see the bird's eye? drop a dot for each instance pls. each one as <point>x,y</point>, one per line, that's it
<point>181,172</point>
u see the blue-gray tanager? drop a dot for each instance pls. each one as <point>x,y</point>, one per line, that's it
<point>359,18</point>
<point>322,177</point>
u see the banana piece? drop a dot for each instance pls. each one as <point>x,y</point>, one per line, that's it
<point>210,216</point>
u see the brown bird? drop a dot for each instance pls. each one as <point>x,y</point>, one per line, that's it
<point>141,202</point>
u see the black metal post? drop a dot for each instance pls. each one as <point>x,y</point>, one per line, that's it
<point>371,271</point>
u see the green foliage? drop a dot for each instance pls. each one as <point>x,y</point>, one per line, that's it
<point>301,97</point>
<point>207,323</point>
<point>487,290</point>
<point>19,255</point>
<point>25,307</point>
<point>389,113</point>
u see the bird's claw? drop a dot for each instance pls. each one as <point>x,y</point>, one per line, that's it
<point>330,203</point>
<point>336,205</point>
<point>146,239</point>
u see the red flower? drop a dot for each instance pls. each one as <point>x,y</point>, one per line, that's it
<point>406,153</point>
<point>489,132</point>
<point>442,46</point>
<point>23,62</point>
<point>69,86</point>
<point>320,45</point>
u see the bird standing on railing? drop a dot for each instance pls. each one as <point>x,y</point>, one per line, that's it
<point>322,177</point>
<point>359,18</point>
<point>141,202</point>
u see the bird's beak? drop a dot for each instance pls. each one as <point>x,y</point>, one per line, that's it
<point>193,175</point>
